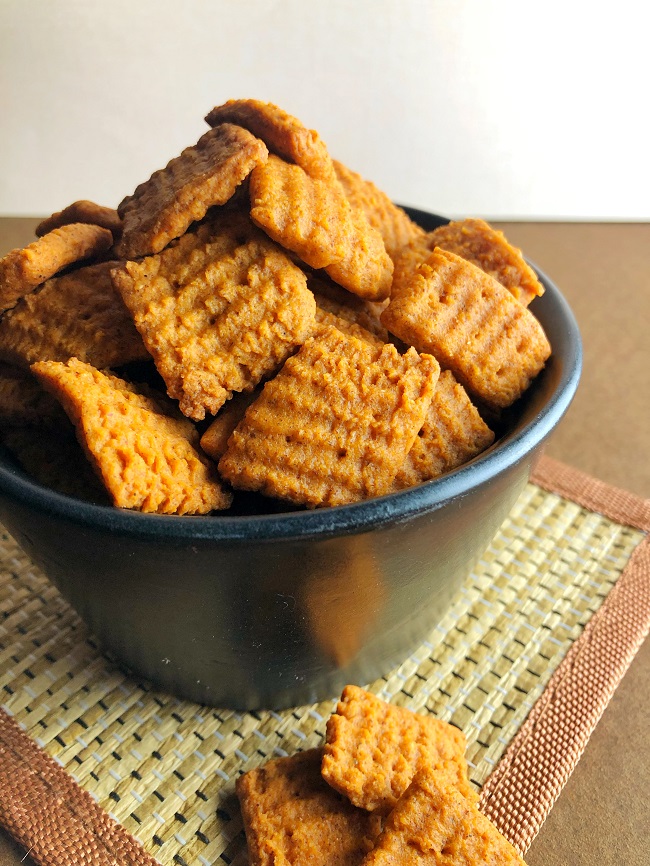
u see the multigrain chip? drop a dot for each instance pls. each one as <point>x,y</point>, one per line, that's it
<point>283,134</point>
<point>206,174</point>
<point>146,456</point>
<point>453,432</point>
<point>292,817</point>
<point>22,270</point>
<point>394,224</point>
<point>214,440</point>
<point>480,244</point>
<point>219,311</point>
<point>79,315</point>
<point>435,825</point>
<point>82,211</point>
<point>493,344</point>
<point>313,219</point>
<point>373,750</point>
<point>335,424</point>
<point>23,400</point>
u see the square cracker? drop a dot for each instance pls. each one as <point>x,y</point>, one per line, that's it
<point>373,749</point>
<point>218,311</point>
<point>292,817</point>
<point>206,174</point>
<point>433,824</point>
<point>144,452</point>
<point>335,424</point>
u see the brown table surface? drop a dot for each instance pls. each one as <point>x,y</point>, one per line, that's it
<point>604,272</point>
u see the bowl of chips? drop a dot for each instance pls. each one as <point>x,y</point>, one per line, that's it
<point>258,423</point>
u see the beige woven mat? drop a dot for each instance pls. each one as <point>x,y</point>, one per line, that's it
<point>164,769</point>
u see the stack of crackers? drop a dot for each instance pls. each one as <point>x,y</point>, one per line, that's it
<point>258,317</point>
<point>388,788</point>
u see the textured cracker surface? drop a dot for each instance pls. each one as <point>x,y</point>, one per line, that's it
<point>473,325</point>
<point>218,311</point>
<point>146,457</point>
<point>434,825</point>
<point>357,311</point>
<point>22,270</point>
<point>325,319</point>
<point>82,211</point>
<point>206,174</point>
<point>453,432</point>
<point>23,400</point>
<point>215,439</point>
<point>292,817</point>
<point>79,315</point>
<point>335,424</point>
<point>373,750</point>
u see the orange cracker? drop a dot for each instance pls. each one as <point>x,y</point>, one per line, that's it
<point>283,134</point>
<point>335,424</point>
<point>373,750</point>
<point>145,455</point>
<point>313,219</point>
<point>435,825</point>
<point>325,319</point>
<point>335,299</point>
<point>453,432</point>
<point>473,325</point>
<point>394,224</point>
<point>480,244</point>
<point>23,401</point>
<point>219,311</point>
<point>22,270</point>
<point>208,173</point>
<point>215,439</point>
<point>78,315</point>
<point>82,211</point>
<point>292,817</point>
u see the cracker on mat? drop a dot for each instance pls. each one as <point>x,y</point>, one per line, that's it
<point>453,432</point>
<point>206,174</point>
<point>219,311</point>
<point>292,817</point>
<point>82,211</point>
<point>313,219</point>
<point>283,134</point>
<point>435,825</point>
<point>373,749</point>
<point>472,324</point>
<point>146,456</point>
<point>335,424</point>
<point>22,270</point>
<point>23,401</point>
<point>79,315</point>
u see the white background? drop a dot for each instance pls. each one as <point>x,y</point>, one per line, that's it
<point>499,108</point>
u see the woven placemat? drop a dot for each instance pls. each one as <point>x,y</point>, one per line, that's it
<point>525,661</point>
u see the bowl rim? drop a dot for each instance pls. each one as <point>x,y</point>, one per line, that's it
<point>336,520</point>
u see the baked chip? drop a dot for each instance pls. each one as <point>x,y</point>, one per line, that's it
<point>82,211</point>
<point>473,325</point>
<point>219,311</point>
<point>292,817</point>
<point>480,244</point>
<point>206,174</point>
<point>79,315</point>
<point>144,453</point>
<point>23,401</point>
<point>335,424</point>
<point>435,825</point>
<point>325,319</point>
<point>214,440</point>
<point>393,224</point>
<point>283,134</point>
<point>313,219</point>
<point>335,299</point>
<point>373,750</point>
<point>453,432</point>
<point>22,270</point>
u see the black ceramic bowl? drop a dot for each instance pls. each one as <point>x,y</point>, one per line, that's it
<point>281,609</point>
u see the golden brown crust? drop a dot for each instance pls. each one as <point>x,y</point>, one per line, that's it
<point>79,315</point>
<point>325,319</point>
<point>206,174</point>
<point>22,270</point>
<point>373,749</point>
<point>214,440</point>
<point>82,211</point>
<point>23,400</point>
<point>335,424</point>
<point>434,825</point>
<point>292,817</point>
<point>219,311</point>
<point>147,458</point>
<point>493,344</point>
